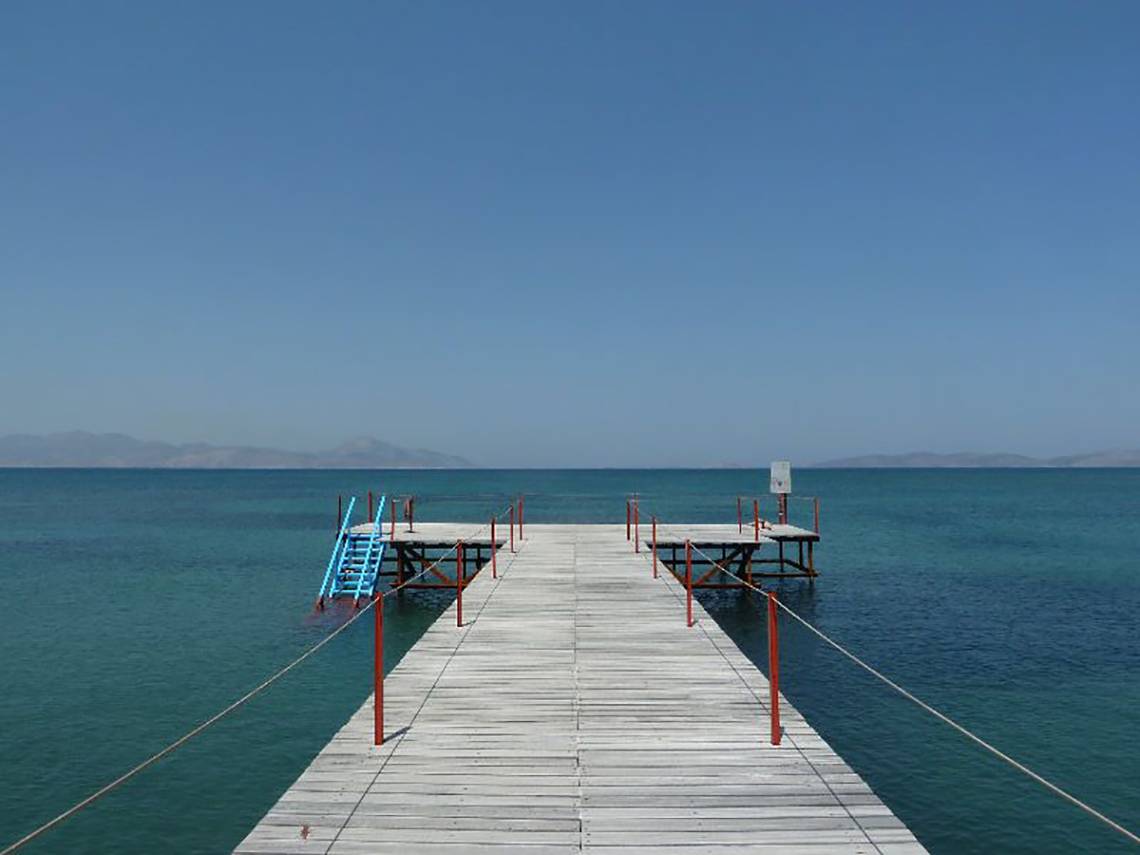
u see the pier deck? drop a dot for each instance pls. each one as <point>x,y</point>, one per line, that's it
<point>704,532</point>
<point>575,711</point>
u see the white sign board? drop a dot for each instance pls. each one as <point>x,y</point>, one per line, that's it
<point>781,476</point>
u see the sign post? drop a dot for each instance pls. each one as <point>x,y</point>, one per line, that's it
<point>781,485</point>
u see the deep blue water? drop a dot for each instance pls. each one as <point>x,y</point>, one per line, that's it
<point>138,603</point>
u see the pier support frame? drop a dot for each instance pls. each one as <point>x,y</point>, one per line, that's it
<point>734,564</point>
<point>413,557</point>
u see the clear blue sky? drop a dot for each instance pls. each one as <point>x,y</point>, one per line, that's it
<point>575,233</point>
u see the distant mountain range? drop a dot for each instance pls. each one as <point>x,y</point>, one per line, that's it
<point>115,450</point>
<point>966,460</point>
<point>82,449</point>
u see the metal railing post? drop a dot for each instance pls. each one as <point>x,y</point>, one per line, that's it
<point>774,668</point>
<point>628,517</point>
<point>739,515</point>
<point>494,552</point>
<point>512,512</point>
<point>459,574</point>
<point>392,532</point>
<point>378,674</point>
<point>756,520</point>
<point>521,506</point>
<point>339,512</point>
<point>654,547</point>
<point>636,526</point>
<point>369,504</point>
<point>815,502</point>
<point>689,583</point>
<point>338,552</point>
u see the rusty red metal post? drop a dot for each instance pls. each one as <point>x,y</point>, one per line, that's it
<point>636,527</point>
<point>378,675</point>
<point>756,519</point>
<point>392,532</point>
<point>774,668</point>
<point>459,574</point>
<point>739,515</point>
<point>628,517</point>
<point>520,517</point>
<point>654,547</point>
<point>689,583</point>
<point>783,508</point>
<point>339,513</point>
<point>370,506</point>
<point>815,503</point>
<point>512,512</point>
<point>494,552</point>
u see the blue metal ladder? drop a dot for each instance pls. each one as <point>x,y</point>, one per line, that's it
<point>354,566</point>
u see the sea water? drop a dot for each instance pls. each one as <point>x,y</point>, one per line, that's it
<point>138,603</point>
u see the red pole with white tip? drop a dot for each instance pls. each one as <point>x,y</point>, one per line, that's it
<point>636,527</point>
<point>460,571</point>
<point>774,668</point>
<point>654,547</point>
<point>378,675</point>
<point>689,583</point>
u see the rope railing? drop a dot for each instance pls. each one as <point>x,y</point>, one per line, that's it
<point>774,603</point>
<point>254,692</point>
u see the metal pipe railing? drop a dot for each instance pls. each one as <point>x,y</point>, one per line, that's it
<point>774,670</point>
<point>338,547</point>
<point>373,538</point>
<point>688,583</point>
<point>460,572</point>
<point>654,547</point>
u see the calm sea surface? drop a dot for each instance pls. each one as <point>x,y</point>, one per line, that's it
<point>138,603</point>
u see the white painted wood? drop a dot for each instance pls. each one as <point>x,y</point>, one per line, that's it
<point>576,711</point>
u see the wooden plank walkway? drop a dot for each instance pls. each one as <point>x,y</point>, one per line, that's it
<point>573,712</point>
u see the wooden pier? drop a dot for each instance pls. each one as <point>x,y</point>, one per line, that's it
<point>574,710</point>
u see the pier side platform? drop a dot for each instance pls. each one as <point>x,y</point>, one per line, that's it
<point>575,711</point>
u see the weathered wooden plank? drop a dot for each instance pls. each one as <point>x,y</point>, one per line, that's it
<point>576,711</point>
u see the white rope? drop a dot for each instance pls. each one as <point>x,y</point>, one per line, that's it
<point>252,693</point>
<point>997,752</point>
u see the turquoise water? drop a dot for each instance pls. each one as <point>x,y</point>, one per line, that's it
<point>140,602</point>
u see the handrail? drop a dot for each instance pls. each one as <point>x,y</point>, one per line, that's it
<point>372,538</point>
<point>337,548</point>
<point>374,602</point>
<point>774,602</point>
<point>781,508</point>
